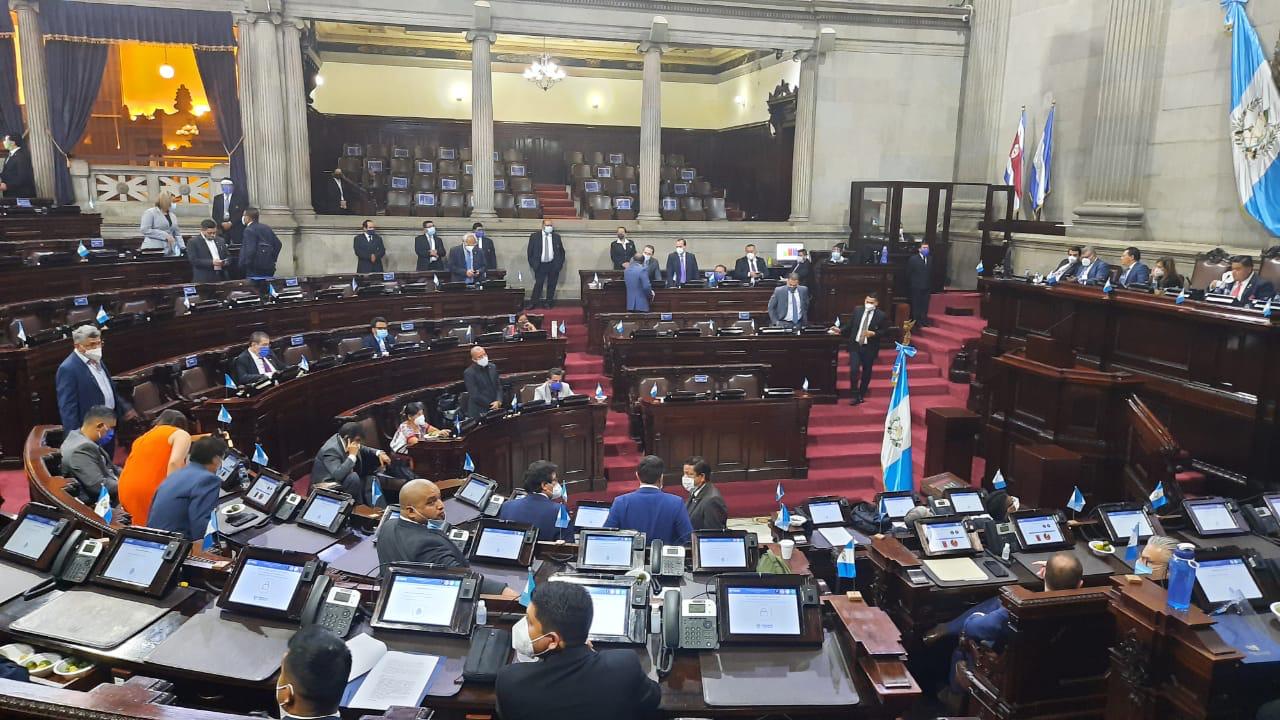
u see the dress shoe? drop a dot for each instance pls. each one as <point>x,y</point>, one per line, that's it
<point>858,400</point>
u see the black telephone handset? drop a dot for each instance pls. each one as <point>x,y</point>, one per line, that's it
<point>1261,520</point>
<point>492,507</point>
<point>941,506</point>
<point>332,608</point>
<point>77,558</point>
<point>666,561</point>
<point>690,625</point>
<point>288,507</point>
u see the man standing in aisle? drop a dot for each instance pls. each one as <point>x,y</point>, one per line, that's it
<point>546,257</point>
<point>228,211</point>
<point>864,330</point>
<point>369,249</point>
<point>789,306</point>
<point>919,285</point>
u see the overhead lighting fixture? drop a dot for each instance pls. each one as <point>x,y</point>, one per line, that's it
<point>166,70</point>
<point>319,79</point>
<point>544,71</point>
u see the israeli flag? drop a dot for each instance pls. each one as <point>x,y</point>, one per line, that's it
<point>1107,287</point>
<point>526,597</point>
<point>302,363</point>
<point>784,518</point>
<point>778,493</point>
<point>1131,550</point>
<point>81,250</point>
<point>1182,296</point>
<point>210,531</point>
<point>1076,501</point>
<point>895,451</point>
<point>845,565</point>
<point>1040,164</point>
<point>1158,500</point>
<point>103,506</point>
<point>618,327</point>
<point>102,317</point>
<point>22,334</point>
<point>467,464</point>
<point>228,382</point>
<point>224,417</point>
<point>562,516</point>
<point>979,267</point>
<point>259,455</point>
<point>599,392</point>
<point>998,482</point>
<point>375,491</point>
<point>1255,121</point>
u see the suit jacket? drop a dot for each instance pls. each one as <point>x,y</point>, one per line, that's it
<point>333,464</point>
<point>742,267</point>
<point>779,301</point>
<point>918,275</point>
<point>458,263</point>
<point>87,463</point>
<point>369,341</point>
<point>1071,268</point>
<point>235,213</point>
<point>621,252</point>
<point>879,324</point>
<point>1137,274</point>
<point>537,510</point>
<point>407,541</point>
<point>653,268</point>
<point>690,268</point>
<point>333,196</point>
<point>259,251</point>
<point>706,508</point>
<point>483,388</point>
<point>202,261</point>
<point>1254,287</point>
<point>78,391</point>
<point>1097,272</point>
<point>485,244</point>
<point>659,515</point>
<point>244,369</point>
<point>18,177</point>
<point>365,245</point>
<point>534,252</point>
<point>577,684</point>
<point>638,288</point>
<point>422,247</point>
<point>805,271</point>
<point>184,500</point>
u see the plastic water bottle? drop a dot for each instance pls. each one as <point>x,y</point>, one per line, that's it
<point>482,613</point>
<point>1182,575</point>
<point>884,255</point>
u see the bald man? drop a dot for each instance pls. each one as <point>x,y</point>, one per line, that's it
<point>419,535</point>
<point>484,390</point>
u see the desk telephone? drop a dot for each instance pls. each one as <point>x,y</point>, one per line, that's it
<point>332,608</point>
<point>1262,517</point>
<point>689,624</point>
<point>288,507</point>
<point>492,507</point>
<point>666,561</point>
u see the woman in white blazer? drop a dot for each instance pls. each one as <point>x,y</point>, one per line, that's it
<point>160,228</point>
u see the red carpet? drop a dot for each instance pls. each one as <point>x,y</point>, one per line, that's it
<point>555,201</point>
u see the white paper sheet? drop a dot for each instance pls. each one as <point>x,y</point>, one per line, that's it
<point>955,569</point>
<point>365,653</point>
<point>399,678</point>
<point>837,536</point>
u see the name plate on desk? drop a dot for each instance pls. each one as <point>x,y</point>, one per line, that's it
<point>700,378</point>
<point>296,340</point>
<point>291,282</point>
<point>97,243</point>
<point>406,326</point>
<point>82,301</point>
<point>665,316</point>
<point>188,290</point>
<point>191,361</point>
<point>388,277</point>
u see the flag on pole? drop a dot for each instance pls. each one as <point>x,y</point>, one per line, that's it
<point>103,506</point>
<point>895,451</point>
<point>375,491</point>
<point>653,391</point>
<point>595,278</point>
<point>778,493</point>
<point>1131,550</point>
<point>837,323</point>
<point>436,279</point>
<point>302,363</point>
<point>526,597</point>
<point>22,334</point>
<point>562,516</point>
<point>1076,501</point>
<point>224,417</point>
<point>1158,500</point>
<point>354,286</point>
<point>1013,168</point>
<point>805,385</point>
<point>457,424</point>
<point>228,382</point>
<point>1266,309</point>
<point>998,482</point>
<point>1255,121</point>
<point>1040,164</point>
<point>1182,296</point>
<point>81,250</point>
<point>979,267</point>
<point>1108,288</point>
<point>210,531</point>
<point>600,392</point>
<point>618,327</point>
<point>102,317</point>
<point>562,327</point>
<point>271,290</point>
<point>845,565</point>
<point>259,455</point>
<point>882,512</point>
<point>467,463</point>
<point>784,518</point>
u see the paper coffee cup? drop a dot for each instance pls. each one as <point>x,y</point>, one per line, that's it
<point>787,547</point>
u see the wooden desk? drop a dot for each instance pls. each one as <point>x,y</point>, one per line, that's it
<point>753,439</point>
<point>23,248</point>
<point>605,323</point>
<point>586,276</point>
<point>34,227</point>
<point>612,298</point>
<point>83,278</point>
<point>840,290</point>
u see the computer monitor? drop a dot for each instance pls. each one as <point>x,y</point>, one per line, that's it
<point>143,561</point>
<point>966,502</point>
<point>1273,502</point>
<point>1040,530</point>
<point>896,504</point>
<point>946,536</point>
<point>761,608</point>
<point>591,515</point>
<point>827,511</point>
<point>608,550</point>
<point>270,582</point>
<point>35,536</point>
<point>1119,519</point>
<point>326,510</point>
<point>425,598</point>
<point>788,250</point>
<point>1219,580</point>
<point>476,491</point>
<point>618,608</point>
<point>505,543</point>
<point>266,492</point>
<point>1214,516</point>
<point>719,551</point>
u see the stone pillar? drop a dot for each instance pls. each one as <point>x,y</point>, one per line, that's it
<point>35,86</point>
<point>1136,31</point>
<point>983,91</point>
<point>481,124</point>
<point>295,117</point>
<point>802,150</point>
<point>272,186</point>
<point>650,132</point>
<point>248,117</point>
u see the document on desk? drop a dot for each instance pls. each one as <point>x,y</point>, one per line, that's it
<point>399,678</point>
<point>837,536</point>
<point>955,569</point>
<point>365,653</point>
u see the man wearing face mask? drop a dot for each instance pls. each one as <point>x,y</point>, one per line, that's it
<point>306,689</point>
<point>429,248</point>
<point>184,500</point>
<point>339,194</point>
<point>789,304</point>
<point>837,255</point>
<point>706,507</point>
<point>1068,266</point>
<point>920,285</point>
<point>485,244</point>
<point>718,274</point>
<point>484,390</point>
<point>651,266</point>
<point>16,177</point>
<point>369,248</point>
<point>467,261</point>
<point>419,535</point>
<point>749,268</point>
<point>1153,561</point>
<point>345,460</point>
<point>541,506</point>
<point>554,388</point>
<point>571,678</point>
<point>1093,271</point>
<point>864,330</point>
<point>260,249</point>
<point>257,362</point>
<point>546,258</point>
<point>85,460</point>
<point>83,381</point>
<point>803,267</point>
<point>621,250</point>
<point>682,266</point>
<point>207,254</point>
<point>379,338</point>
<point>639,284</point>
<point>228,211</point>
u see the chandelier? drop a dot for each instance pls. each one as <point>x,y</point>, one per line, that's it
<point>544,71</point>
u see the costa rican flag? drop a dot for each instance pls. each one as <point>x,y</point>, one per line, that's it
<point>1013,168</point>
<point>1255,121</point>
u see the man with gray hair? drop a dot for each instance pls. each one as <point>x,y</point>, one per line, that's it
<point>789,306</point>
<point>1093,271</point>
<point>256,362</point>
<point>83,381</point>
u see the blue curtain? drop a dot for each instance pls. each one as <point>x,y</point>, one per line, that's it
<point>10,111</point>
<point>75,72</point>
<point>89,21</point>
<point>218,73</point>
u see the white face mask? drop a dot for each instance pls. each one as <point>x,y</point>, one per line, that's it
<point>869,306</point>
<point>1073,258</point>
<point>431,231</point>
<point>835,254</point>
<point>751,256</point>
<point>648,255</point>
<point>679,251</point>
<point>546,229</point>
<point>687,482</point>
<point>94,354</point>
<point>420,421</point>
<point>520,640</point>
<point>1086,261</point>
<point>483,361</point>
<point>557,491</point>
<point>1158,272</point>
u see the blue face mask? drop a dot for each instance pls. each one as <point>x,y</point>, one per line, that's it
<point>479,233</point>
<point>380,333</point>
<point>264,352</point>
<point>924,252</point>
<point>557,386</point>
<point>107,437</point>
<point>1141,568</point>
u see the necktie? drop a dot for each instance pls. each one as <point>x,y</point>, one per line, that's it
<point>341,195</point>
<point>1238,290</point>
<point>795,306</point>
<point>682,269</point>
<point>547,254</point>
<point>265,365</point>
<point>753,264</point>
<point>862,327</point>
<point>226,207</point>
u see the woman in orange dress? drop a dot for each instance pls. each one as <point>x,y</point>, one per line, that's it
<point>158,452</point>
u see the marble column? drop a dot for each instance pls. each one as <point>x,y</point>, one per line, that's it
<point>802,149</point>
<point>481,124</point>
<point>272,188</point>
<point>1128,87</point>
<point>650,132</point>
<point>245,28</point>
<point>983,91</point>
<point>35,85</point>
<point>295,116</point>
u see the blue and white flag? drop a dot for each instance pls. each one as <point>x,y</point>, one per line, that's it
<point>1131,550</point>
<point>22,334</point>
<point>895,451</point>
<point>805,385</point>
<point>436,279</point>
<point>837,323</point>
<point>778,493</point>
<point>595,278</point>
<point>600,392</point>
<point>618,327</point>
<point>1158,500</point>
<point>845,565</point>
<point>302,363</point>
<point>1266,309</point>
<point>882,512</point>
<point>1076,501</point>
<point>271,290</point>
<point>210,531</point>
<point>354,286</point>
<point>653,391</point>
<point>1107,288</point>
<point>998,482</point>
<point>1255,121</point>
<point>103,506</point>
<point>224,417</point>
<point>784,518</point>
<point>102,317</point>
<point>457,424</point>
<point>228,382</point>
<point>562,516</point>
<point>526,597</point>
<point>1040,164</point>
<point>519,276</point>
<point>1182,296</point>
<point>259,455</point>
<point>467,464</point>
<point>81,250</point>
<point>979,267</point>
<point>375,491</point>
<point>562,327</point>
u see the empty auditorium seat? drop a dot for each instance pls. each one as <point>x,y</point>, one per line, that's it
<point>149,401</point>
<point>511,155</point>
<point>447,153</point>
<point>574,158</point>
<point>595,158</point>
<point>696,383</point>
<point>452,204</point>
<point>467,181</point>
<point>527,392</point>
<point>194,382</point>
<point>425,204</point>
<point>376,150</point>
<point>462,333</point>
<point>401,165</point>
<point>504,204</point>
<point>294,354</point>
<point>424,152</point>
<point>705,328</point>
<point>680,189</point>
<point>424,166</point>
<point>75,317</point>
<point>517,170</point>
<point>693,209</point>
<point>600,207</point>
<point>447,167</point>
<point>353,150</point>
<point>749,383</point>
<point>666,326</point>
<point>670,209</point>
<point>413,336</point>
<point>351,166</point>
<point>527,206</point>
<point>648,384</point>
<point>521,185</point>
<point>465,154</point>
<point>715,208</point>
<point>424,182</point>
<point>500,171</point>
<point>701,188</point>
<point>748,326</point>
<point>624,208</point>
<point>398,202</point>
<point>398,182</point>
<point>349,345</point>
<point>668,173</point>
<point>626,172</point>
<point>580,172</point>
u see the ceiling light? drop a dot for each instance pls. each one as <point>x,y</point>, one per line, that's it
<point>319,79</point>
<point>544,71</point>
<point>166,70</point>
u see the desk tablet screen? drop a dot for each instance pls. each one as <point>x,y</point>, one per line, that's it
<point>422,600</point>
<point>610,609</point>
<point>898,507</point>
<point>722,552</point>
<point>591,516</point>
<point>500,543</point>
<point>967,502</point>
<point>473,491</point>
<point>322,511</point>
<point>262,490</point>
<point>31,537</point>
<point>1124,520</point>
<point>606,550</point>
<point>763,611</point>
<point>826,513</point>
<point>1221,579</point>
<point>946,537</point>
<point>1213,516</point>
<point>266,584</point>
<point>1273,502</point>
<point>136,562</point>
<point>1040,530</point>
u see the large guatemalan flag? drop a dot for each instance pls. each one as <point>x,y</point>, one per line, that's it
<point>895,451</point>
<point>1255,121</point>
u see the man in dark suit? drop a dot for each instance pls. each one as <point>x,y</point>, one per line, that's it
<point>749,268</point>
<point>429,248</point>
<point>803,268</point>
<point>485,244</point>
<point>546,257</point>
<point>1245,285</point>
<point>368,248</point>
<point>621,250</point>
<point>419,535</point>
<point>682,266</point>
<point>228,211</point>
<point>260,248</point>
<point>1067,266</point>
<point>1093,271</point>
<point>17,179</point>
<point>306,687</point>
<point>789,305</point>
<point>256,362</point>
<point>919,285</point>
<point>651,265</point>
<point>705,505</point>
<point>541,506</point>
<point>466,261</point>
<point>378,338</point>
<point>572,679</point>
<point>83,381</point>
<point>185,499</point>
<point>864,330</point>
<point>484,389</point>
<point>659,515</point>
<point>1134,271</point>
<point>639,289</point>
<point>339,194</point>
<point>207,254</point>
<point>344,460</point>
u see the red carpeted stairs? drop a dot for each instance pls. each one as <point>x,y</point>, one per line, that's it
<point>555,201</point>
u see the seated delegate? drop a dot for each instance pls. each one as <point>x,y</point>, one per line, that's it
<point>84,459</point>
<point>306,687</point>
<point>344,460</point>
<point>541,506</point>
<point>378,339</point>
<point>414,428</point>
<point>554,388</point>
<point>185,499</point>
<point>256,362</point>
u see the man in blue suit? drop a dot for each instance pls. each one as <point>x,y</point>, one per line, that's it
<point>639,289</point>
<point>186,498</point>
<point>659,515</point>
<point>467,261</point>
<point>1134,272</point>
<point>83,381</point>
<point>789,305</point>
<point>260,248</point>
<point>1093,271</point>
<point>682,266</point>
<point>1244,285</point>
<point>541,506</point>
<point>379,338</point>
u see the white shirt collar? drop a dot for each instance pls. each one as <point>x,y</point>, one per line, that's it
<point>649,487</point>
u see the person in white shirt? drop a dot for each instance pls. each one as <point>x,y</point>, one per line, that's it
<point>208,254</point>
<point>256,362</point>
<point>554,388</point>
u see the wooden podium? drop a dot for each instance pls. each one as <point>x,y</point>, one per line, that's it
<point>840,289</point>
